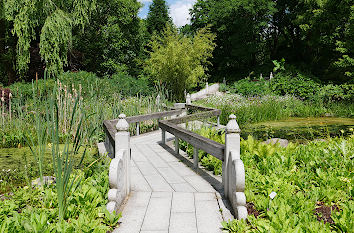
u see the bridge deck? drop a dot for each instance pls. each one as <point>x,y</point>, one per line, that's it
<point>167,195</point>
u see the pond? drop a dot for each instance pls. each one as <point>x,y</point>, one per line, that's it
<point>18,166</point>
<point>301,129</point>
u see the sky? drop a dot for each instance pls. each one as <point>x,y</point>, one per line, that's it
<point>179,10</point>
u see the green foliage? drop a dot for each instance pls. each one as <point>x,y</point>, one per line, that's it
<point>24,90</point>
<point>279,65</point>
<point>179,61</point>
<point>268,108</point>
<point>299,85</point>
<point>121,83</point>
<point>102,99</point>
<point>52,21</point>
<point>113,41</point>
<point>36,209</point>
<point>157,17</point>
<point>56,38</point>
<point>314,36</point>
<point>304,178</point>
<point>249,87</point>
<point>332,93</point>
<point>240,28</point>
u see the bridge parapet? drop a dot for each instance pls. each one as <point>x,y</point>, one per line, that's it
<point>119,169</point>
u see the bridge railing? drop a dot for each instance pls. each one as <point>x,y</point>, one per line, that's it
<point>233,172</point>
<point>109,126</point>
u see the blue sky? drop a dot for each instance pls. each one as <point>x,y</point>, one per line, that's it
<point>179,10</point>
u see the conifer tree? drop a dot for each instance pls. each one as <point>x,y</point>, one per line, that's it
<point>157,17</point>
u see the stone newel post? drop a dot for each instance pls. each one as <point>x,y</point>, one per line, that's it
<point>188,99</point>
<point>119,169</point>
<point>233,171</point>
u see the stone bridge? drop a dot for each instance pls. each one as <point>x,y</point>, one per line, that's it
<point>158,188</point>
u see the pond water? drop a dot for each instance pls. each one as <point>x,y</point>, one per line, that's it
<point>301,129</point>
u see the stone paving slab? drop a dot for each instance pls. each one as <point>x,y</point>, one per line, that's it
<point>157,217</point>
<point>183,222</point>
<point>168,196</point>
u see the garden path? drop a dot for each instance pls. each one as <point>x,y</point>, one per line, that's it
<point>167,195</point>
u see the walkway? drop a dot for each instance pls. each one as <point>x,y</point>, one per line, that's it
<point>167,195</point>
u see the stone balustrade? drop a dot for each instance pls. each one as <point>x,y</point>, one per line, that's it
<point>233,170</point>
<point>119,169</point>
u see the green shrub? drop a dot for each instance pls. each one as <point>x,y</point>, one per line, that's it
<point>298,85</point>
<point>130,86</point>
<point>331,93</point>
<point>92,85</point>
<point>249,87</point>
<point>25,90</point>
<point>179,61</point>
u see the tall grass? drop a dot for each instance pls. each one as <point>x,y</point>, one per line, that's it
<point>265,108</point>
<point>38,146</point>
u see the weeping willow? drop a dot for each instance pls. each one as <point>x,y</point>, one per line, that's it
<point>50,20</point>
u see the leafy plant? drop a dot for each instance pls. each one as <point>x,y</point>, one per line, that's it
<point>305,177</point>
<point>179,61</point>
<point>298,85</point>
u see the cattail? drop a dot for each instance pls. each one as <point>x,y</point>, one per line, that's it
<point>3,106</point>
<point>10,96</point>
<point>80,89</point>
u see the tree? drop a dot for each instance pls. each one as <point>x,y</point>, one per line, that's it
<point>114,39</point>
<point>178,61</point>
<point>7,50</point>
<point>240,26</point>
<point>310,35</point>
<point>313,36</point>
<point>157,17</point>
<point>346,47</point>
<point>49,23</point>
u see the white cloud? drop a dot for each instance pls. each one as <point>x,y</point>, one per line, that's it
<point>144,1</point>
<point>179,12</point>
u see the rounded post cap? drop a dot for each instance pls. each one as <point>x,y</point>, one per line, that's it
<point>122,124</point>
<point>232,126</point>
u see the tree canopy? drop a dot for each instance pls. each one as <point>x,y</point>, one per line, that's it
<point>157,17</point>
<point>310,35</point>
<point>49,23</point>
<point>313,37</point>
